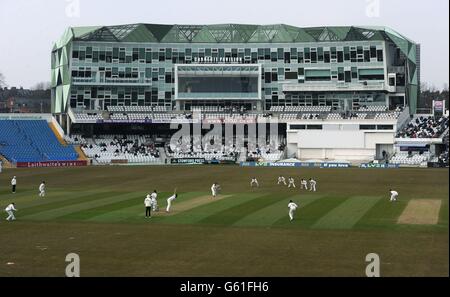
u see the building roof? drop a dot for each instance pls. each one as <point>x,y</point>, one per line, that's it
<point>230,33</point>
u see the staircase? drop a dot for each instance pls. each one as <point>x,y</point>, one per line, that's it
<point>5,162</point>
<point>57,135</point>
<point>81,154</point>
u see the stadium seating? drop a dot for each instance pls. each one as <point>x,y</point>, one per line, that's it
<point>424,127</point>
<point>414,159</point>
<point>106,148</point>
<point>32,141</point>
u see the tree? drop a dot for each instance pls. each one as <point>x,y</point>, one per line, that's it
<point>2,80</point>
<point>41,86</point>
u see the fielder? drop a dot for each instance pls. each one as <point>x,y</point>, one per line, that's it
<point>215,189</point>
<point>42,189</point>
<point>281,180</point>
<point>291,182</point>
<point>153,197</point>
<point>13,184</point>
<point>312,185</point>
<point>148,206</point>
<point>170,199</point>
<point>10,209</point>
<point>394,195</point>
<point>254,182</point>
<point>303,184</point>
<point>292,208</point>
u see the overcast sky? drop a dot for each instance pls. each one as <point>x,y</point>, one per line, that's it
<point>30,27</point>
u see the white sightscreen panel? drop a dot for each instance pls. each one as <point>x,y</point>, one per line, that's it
<point>330,139</point>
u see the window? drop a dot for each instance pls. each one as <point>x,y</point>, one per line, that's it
<point>320,54</point>
<point>346,53</point>
<point>301,57</point>
<point>367,127</point>
<point>274,76</point>
<point>314,127</point>
<point>297,127</point>
<point>354,72</point>
<point>353,56</point>
<point>290,75</point>
<point>348,76</point>
<point>318,75</point>
<point>380,55</point>
<point>391,81</point>
<point>307,54</point>
<point>280,53</point>
<point>341,73</point>
<point>373,52</point>
<point>327,57</point>
<point>313,57</point>
<point>366,56</point>
<point>340,57</point>
<point>385,127</point>
<point>267,77</point>
<point>371,74</point>
<point>287,57</point>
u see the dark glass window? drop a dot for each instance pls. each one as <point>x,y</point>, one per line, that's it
<point>297,127</point>
<point>327,57</point>
<point>373,52</point>
<point>314,127</point>
<point>367,127</point>
<point>385,127</point>
<point>380,55</point>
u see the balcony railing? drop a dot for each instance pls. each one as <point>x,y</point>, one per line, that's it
<point>369,86</point>
<point>90,80</point>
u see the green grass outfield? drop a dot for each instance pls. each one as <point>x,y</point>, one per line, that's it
<point>98,212</point>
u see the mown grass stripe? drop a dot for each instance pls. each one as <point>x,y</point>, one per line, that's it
<point>87,214</point>
<point>347,214</point>
<point>272,213</point>
<point>64,199</point>
<point>382,214</point>
<point>137,210</point>
<point>65,210</point>
<point>233,214</point>
<point>197,214</point>
<point>307,216</point>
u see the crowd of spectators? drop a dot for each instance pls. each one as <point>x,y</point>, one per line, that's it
<point>189,147</point>
<point>123,145</point>
<point>424,127</point>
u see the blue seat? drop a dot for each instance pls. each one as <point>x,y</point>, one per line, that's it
<point>32,141</point>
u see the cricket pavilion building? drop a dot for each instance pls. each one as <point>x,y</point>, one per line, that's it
<point>341,92</point>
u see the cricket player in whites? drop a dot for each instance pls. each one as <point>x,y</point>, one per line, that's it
<point>281,180</point>
<point>292,208</point>
<point>10,209</point>
<point>303,184</point>
<point>13,185</point>
<point>254,182</point>
<point>153,197</point>
<point>171,199</point>
<point>291,182</point>
<point>312,185</point>
<point>215,189</point>
<point>394,195</point>
<point>42,189</point>
<point>148,206</point>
